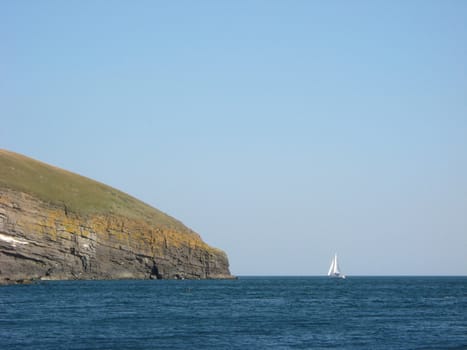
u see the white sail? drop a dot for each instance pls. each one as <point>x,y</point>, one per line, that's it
<point>334,270</point>
<point>336,266</point>
<point>331,268</point>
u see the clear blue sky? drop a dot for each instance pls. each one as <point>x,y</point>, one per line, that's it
<point>281,131</point>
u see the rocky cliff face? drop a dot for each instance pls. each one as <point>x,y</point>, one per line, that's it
<point>39,240</point>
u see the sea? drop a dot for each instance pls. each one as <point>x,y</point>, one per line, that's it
<point>247,313</point>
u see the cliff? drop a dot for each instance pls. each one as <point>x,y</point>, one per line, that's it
<point>58,225</point>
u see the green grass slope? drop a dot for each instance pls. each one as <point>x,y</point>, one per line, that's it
<point>79,194</point>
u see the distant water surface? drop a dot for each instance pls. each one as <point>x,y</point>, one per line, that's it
<point>248,313</point>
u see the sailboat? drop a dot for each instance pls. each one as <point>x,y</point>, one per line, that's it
<point>334,270</point>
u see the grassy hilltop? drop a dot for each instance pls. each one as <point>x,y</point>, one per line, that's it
<point>79,194</point>
<point>71,227</point>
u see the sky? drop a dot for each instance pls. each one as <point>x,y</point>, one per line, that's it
<point>280,131</point>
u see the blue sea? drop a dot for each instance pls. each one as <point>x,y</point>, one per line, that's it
<point>248,313</point>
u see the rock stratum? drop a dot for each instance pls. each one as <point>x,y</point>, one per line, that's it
<point>57,225</point>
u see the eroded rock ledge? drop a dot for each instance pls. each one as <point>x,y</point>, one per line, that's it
<point>39,241</point>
